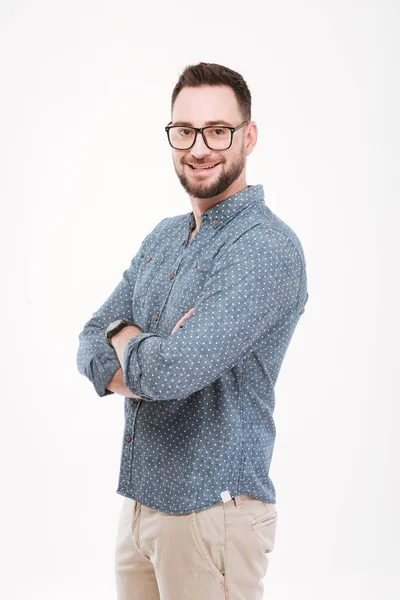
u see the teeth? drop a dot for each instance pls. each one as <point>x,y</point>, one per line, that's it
<point>210,167</point>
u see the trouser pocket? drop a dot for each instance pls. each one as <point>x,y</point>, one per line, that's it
<point>209,535</point>
<point>266,518</point>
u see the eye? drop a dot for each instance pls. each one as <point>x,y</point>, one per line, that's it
<point>185,132</point>
<point>218,131</point>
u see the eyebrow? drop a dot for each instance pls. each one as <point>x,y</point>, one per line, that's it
<point>206,124</point>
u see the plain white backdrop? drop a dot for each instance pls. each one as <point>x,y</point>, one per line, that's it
<point>86,172</point>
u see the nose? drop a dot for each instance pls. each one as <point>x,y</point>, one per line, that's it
<point>199,149</point>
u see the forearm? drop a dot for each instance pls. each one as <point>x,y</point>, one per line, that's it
<point>118,386</point>
<point>119,342</point>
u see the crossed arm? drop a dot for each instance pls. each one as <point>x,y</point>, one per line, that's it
<point>118,386</point>
<point>257,284</point>
<point>119,341</point>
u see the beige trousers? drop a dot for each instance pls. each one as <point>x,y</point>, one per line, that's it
<point>220,553</point>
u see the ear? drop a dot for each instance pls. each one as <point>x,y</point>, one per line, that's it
<point>251,137</point>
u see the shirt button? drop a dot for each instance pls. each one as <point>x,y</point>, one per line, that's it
<point>155,317</point>
<point>148,258</point>
<point>215,221</point>
<point>195,264</point>
<point>170,275</point>
<point>128,437</point>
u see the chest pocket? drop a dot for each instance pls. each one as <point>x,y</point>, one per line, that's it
<point>190,284</point>
<point>148,269</point>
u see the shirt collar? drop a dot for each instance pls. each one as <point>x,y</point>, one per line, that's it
<point>224,210</point>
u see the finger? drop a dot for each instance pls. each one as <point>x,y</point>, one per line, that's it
<point>184,318</point>
<point>188,314</point>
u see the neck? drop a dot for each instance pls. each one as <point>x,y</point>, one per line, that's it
<point>200,205</point>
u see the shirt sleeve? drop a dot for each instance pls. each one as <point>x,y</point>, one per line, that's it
<point>96,359</point>
<point>254,286</point>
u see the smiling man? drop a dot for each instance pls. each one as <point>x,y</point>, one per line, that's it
<point>215,166</point>
<point>194,337</point>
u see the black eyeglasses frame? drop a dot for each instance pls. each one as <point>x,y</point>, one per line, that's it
<point>200,130</point>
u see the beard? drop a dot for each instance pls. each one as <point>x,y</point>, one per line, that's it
<point>205,189</point>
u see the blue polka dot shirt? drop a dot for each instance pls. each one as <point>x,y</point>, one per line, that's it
<point>203,424</point>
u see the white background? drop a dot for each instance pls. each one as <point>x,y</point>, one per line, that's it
<point>86,173</point>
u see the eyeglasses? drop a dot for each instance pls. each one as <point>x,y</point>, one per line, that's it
<point>215,138</point>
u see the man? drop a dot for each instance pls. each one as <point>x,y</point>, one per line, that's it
<point>194,336</point>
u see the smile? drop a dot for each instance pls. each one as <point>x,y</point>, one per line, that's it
<point>203,167</point>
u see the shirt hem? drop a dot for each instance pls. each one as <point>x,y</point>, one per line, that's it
<point>194,508</point>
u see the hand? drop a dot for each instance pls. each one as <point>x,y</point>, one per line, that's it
<point>117,385</point>
<point>184,318</point>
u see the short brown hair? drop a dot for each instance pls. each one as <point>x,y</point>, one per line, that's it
<point>213,74</point>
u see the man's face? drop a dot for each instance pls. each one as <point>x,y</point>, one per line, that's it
<point>195,107</point>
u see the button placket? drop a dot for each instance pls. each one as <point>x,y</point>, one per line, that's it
<point>205,218</point>
<point>129,438</point>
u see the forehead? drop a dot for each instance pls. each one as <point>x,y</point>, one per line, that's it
<point>198,105</point>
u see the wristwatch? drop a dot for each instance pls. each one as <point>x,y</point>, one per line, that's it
<point>116,326</point>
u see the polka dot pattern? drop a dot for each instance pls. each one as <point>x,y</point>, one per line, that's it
<point>204,421</point>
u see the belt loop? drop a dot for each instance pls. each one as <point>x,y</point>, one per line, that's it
<point>237,501</point>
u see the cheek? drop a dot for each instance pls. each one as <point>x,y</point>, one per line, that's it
<point>179,164</point>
